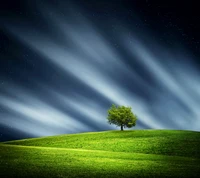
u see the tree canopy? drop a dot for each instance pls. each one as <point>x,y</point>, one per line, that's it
<point>121,116</point>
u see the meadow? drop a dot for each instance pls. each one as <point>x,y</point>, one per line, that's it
<point>139,153</point>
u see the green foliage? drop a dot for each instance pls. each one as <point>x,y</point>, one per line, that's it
<point>121,116</point>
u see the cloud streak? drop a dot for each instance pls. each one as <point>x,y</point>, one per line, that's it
<point>98,67</point>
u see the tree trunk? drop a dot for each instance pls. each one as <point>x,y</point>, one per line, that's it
<point>121,127</point>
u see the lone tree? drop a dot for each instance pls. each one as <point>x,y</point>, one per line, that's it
<point>121,116</point>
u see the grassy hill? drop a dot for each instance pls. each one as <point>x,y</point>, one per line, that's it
<point>140,153</point>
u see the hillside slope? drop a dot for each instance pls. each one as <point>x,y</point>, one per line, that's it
<point>140,153</point>
<point>165,142</point>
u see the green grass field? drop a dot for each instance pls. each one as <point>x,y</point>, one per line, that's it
<point>140,153</point>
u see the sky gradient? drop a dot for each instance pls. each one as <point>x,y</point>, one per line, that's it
<point>64,63</point>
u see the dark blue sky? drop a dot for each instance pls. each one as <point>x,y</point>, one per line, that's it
<point>63,64</point>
